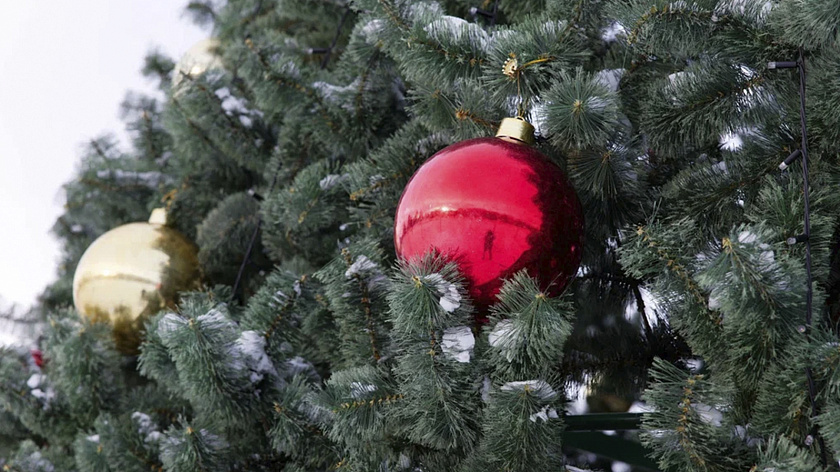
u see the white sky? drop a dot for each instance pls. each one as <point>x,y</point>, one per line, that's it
<point>64,69</point>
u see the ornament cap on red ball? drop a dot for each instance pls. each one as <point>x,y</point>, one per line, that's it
<point>495,206</point>
<point>516,130</point>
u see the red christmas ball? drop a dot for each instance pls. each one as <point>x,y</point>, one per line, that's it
<point>37,357</point>
<point>495,207</point>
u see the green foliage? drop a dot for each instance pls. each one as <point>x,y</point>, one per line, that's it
<point>695,106</point>
<point>759,298</point>
<point>824,121</point>
<point>828,422</point>
<point>810,24</point>
<point>336,356</point>
<point>663,255</point>
<point>155,361</point>
<point>31,458</point>
<point>215,361</point>
<point>781,454</point>
<point>522,427</point>
<point>355,287</point>
<point>25,393</point>
<point>782,403</point>
<point>87,367</point>
<point>581,111</point>
<point>225,236</point>
<point>431,320</point>
<point>683,431</point>
<point>301,219</point>
<point>297,417</point>
<point>187,449</point>
<point>291,312</point>
<point>358,399</point>
<point>780,206</point>
<point>609,180</point>
<point>530,332</point>
<point>130,442</point>
<point>521,424</point>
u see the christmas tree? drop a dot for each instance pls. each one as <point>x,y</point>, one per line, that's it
<point>702,297</point>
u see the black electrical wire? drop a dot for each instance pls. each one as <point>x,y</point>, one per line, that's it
<point>329,51</point>
<point>253,240</point>
<point>812,389</point>
<point>805,237</point>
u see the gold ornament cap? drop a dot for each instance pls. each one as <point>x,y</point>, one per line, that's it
<point>158,216</point>
<point>516,129</point>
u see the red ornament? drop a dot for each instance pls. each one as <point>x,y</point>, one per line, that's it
<point>495,207</point>
<point>38,357</point>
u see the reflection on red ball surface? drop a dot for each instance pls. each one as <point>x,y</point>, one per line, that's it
<point>496,207</point>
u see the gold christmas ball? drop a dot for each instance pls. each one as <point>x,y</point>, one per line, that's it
<point>199,58</point>
<point>608,403</point>
<point>131,273</point>
<point>607,394</point>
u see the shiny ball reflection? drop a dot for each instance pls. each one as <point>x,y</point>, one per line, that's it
<point>494,207</point>
<point>131,273</point>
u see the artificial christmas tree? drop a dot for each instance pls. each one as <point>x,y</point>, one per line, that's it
<point>315,348</point>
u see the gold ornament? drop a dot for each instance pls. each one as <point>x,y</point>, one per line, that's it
<point>511,66</point>
<point>199,58</point>
<point>131,273</point>
<point>608,403</point>
<point>608,395</point>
